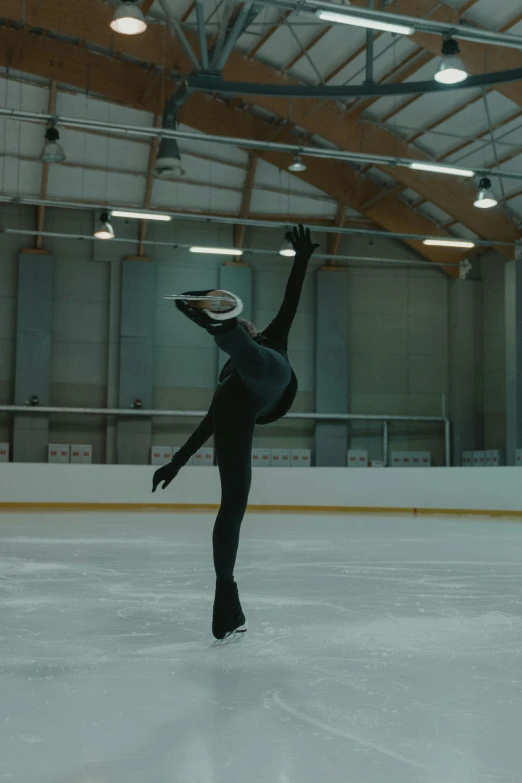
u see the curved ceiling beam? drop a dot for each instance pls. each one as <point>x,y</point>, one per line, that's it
<point>316,116</point>
<point>131,85</point>
<point>212,84</point>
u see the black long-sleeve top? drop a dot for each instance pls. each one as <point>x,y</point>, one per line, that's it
<point>275,336</point>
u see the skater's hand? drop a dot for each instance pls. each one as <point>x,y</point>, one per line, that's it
<point>301,241</point>
<point>166,474</point>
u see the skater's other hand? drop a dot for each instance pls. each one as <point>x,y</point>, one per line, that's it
<point>301,241</point>
<point>166,474</point>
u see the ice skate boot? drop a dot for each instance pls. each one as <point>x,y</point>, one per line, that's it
<point>215,311</point>
<point>228,615</point>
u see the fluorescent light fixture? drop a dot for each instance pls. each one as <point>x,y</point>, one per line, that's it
<point>297,164</point>
<point>441,169</point>
<point>218,251</point>
<point>128,19</point>
<point>286,249</point>
<point>448,243</point>
<point>139,215</point>
<point>105,230</point>
<point>361,21</point>
<point>485,198</point>
<point>451,69</point>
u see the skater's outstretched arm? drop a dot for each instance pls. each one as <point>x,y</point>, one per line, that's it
<point>196,440</point>
<point>168,472</point>
<point>279,329</point>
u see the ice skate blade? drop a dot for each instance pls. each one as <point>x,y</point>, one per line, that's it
<point>231,638</point>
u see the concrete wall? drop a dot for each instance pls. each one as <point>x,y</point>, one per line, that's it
<point>396,328</point>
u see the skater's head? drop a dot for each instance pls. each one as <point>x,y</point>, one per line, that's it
<point>248,327</point>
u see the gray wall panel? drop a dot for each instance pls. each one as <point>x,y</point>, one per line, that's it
<point>428,334</point>
<point>7,317</point>
<point>33,369</point>
<point>79,395</point>
<point>33,352</point>
<point>9,267</point>
<point>379,334</point>
<point>378,374</point>
<point>175,329</point>
<point>425,405</point>
<point>495,392</point>
<point>80,322</point>
<point>427,295</point>
<point>428,374</point>
<point>377,294</point>
<point>494,350</point>
<point>137,299</point>
<point>331,366</point>
<point>36,285</point>
<point>463,356</point>
<point>80,280</point>
<point>138,304</point>
<point>376,404</point>
<point>76,363</point>
<point>136,370</point>
<point>7,360</point>
<point>184,366</point>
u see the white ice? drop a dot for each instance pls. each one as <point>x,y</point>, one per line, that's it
<point>379,650</point>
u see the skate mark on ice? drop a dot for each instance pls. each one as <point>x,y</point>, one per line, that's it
<point>348,735</point>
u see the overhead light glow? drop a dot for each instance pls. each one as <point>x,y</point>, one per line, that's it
<point>287,249</point>
<point>128,19</point>
<point>358,21</point>
<point>105,231</point>
<point>218,251</point>
<point>441,169</point>
<point>485,198</point>
<point>451,69</point>
<point>448,243</point>
<point>297,164</point>
<point>140,215</point>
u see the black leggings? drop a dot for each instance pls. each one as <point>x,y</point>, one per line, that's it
<point>262,376</point>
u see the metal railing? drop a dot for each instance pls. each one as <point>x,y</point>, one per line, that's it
<point>385,419</point>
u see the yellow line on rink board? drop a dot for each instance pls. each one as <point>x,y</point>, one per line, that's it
<point>257,508</point>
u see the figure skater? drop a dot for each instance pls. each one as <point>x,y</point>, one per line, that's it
<point>256,386</point>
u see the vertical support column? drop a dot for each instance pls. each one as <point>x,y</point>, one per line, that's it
<point>464,409</point>
<point>113,359</point>
<point>513,316</point>
<point>33,354</point>
<point>331,365</point>
<point>138,291</point>
<point>236,278</point>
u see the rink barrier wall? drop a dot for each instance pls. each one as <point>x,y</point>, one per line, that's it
<point>433,491</point>
<point>91,507</point>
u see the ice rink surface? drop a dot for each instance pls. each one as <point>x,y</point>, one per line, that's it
<point>379,650</point>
